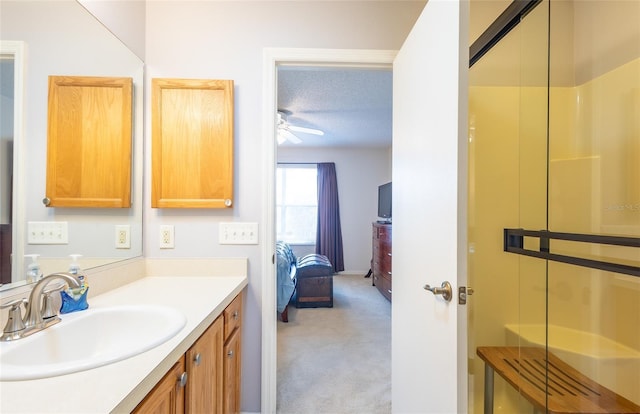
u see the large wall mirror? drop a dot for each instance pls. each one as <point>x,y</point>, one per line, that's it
<point>39,39</point>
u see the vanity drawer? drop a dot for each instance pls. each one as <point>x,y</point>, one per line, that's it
<point>233,316</point>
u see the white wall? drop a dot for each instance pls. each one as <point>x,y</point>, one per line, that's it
<point>225,40</point>
<point>359,173</point>
<point>125,19</point>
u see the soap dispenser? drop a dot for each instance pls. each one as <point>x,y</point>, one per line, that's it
<point>33,269</point>
<point>74,267</point>
<point>75,299</point>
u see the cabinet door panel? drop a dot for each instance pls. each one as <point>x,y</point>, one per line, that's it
<point>89,142</point>
<point>232,368</point>
<point>167,397</point>
<point>233,316</point>
<point>192,143</point>
<point>205,369</point>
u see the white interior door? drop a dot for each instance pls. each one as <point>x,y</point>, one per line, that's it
<point>429,353</point>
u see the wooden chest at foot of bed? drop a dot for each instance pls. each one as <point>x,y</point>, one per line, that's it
<point>314,292</point>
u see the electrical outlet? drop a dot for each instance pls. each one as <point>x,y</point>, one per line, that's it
<point>166,236</point>
<point>123,236</point>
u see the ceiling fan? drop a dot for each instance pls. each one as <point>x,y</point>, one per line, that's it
<point>286,130</point>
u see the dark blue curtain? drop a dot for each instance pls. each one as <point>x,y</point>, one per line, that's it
<point>329,233</point>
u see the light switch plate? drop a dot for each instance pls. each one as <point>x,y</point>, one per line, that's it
<point>238,233</point>
<point>47,232</point>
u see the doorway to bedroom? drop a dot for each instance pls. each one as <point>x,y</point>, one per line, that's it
<point>351,107</point>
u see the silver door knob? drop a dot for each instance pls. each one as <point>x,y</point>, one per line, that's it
<point>444,290</point>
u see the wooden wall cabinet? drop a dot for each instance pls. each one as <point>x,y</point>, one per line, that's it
<point>192,143</point>
<point>211,369</point>
<point>89,140</point>
<point>381,263</point>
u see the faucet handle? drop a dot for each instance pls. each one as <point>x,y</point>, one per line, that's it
<point>15,324</point>
<point>47,302</point>
<point>14,304</point>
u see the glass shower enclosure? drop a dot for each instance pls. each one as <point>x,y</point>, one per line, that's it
<point>554,209</point>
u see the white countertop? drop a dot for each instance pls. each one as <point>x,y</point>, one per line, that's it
<point>120,386</point>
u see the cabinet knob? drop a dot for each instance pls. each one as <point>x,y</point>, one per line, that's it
<point>236,314</point>
<point>228,202</point>
<point>182,379</point>
<point>46,201</point>
<point>230,354</point>
<point>197,359</point>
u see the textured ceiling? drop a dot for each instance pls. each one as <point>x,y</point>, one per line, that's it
<point>351,106</point>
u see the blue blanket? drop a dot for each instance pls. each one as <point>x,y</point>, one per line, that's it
<point>286,274</point>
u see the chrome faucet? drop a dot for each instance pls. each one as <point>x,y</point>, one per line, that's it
<point>33,320</point>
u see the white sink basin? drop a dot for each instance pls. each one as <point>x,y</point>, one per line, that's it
<point>89,339</point>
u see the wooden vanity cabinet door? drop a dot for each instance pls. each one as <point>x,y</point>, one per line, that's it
<point>205,371</point>
<point>233,354</point>
<point>213,369</point>
<point>167,397</point>
<point>192,143</point>
<point>232,371</point>
<point>89,139</point>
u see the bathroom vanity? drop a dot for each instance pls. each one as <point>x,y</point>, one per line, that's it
<point>207,348</point>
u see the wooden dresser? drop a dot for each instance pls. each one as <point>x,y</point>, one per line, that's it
<point>381,259</point>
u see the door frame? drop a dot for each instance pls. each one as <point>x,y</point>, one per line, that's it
<point>18,227</point>
<point>272,58</point>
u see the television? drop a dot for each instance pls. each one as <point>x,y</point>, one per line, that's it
<point>384,203</point>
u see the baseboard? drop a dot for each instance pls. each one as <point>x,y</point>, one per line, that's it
<point>352,272</point>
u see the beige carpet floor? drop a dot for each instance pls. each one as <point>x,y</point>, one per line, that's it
<point>337,360</point>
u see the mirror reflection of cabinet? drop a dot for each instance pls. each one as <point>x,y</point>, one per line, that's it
<point>89,142</point>
<point>192,143</point>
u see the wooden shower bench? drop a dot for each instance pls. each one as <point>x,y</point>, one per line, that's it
<point>566,391</point>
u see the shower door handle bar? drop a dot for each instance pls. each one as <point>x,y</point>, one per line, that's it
<point>585,238</point>
<point>514,243</point>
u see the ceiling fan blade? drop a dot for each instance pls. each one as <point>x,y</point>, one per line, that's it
<point>289,136</point>
<point>305,130</point>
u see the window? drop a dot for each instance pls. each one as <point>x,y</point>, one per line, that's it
<point>296,203</point>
